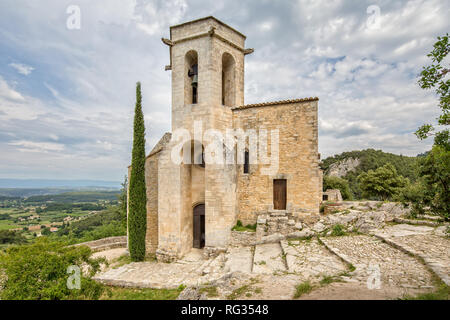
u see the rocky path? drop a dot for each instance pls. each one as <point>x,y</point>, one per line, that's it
<point>385,267</point>
<point>310,259</point>
<point>379,264</point>
<point>422,242</point>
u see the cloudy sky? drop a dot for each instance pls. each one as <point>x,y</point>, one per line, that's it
<point>67,95</point>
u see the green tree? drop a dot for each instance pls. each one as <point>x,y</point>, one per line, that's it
<point>137,219</point>
<point>435,171</point>
<point>330,182</point>
<point>38,271</point>
<point>434,76</point>
<point>382,183</point>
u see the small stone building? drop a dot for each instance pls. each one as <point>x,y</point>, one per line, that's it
<point>332,195</point>
<point>196,202</point>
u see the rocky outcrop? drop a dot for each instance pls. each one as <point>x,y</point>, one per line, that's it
<point>341,168</point>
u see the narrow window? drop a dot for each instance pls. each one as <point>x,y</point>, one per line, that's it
<point>246,161</point>
<point>223,87</point>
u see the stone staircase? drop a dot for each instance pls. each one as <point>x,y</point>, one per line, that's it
<point>276,222</point>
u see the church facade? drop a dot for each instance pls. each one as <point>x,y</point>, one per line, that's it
<point>225,161</point>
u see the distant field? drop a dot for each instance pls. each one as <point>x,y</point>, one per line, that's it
<point>53,208</point>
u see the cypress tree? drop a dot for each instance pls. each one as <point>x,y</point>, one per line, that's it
<point>137,217</point>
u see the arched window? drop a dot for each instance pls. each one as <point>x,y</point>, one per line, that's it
<point>228,80</point>
<point>246,161</point>
<point>191,78</point>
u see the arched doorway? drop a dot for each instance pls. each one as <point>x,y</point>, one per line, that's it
<point>199,226</point>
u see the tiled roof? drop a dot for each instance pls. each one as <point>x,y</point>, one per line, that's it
<point>273,103</point>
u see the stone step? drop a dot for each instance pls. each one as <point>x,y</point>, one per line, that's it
<point>268,258</point>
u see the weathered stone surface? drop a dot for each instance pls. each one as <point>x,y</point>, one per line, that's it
<point>318,227</point>
<point>268,258</point>
<point>305,233</point>
<point>243,238</point>
<point>310,259</point>
<point>239,260</point>
<point>276,237</point>
<point>420,241</point>
<point>442,231</point>
<point>105,243</point>
<point>369,221</point>
<point>369,253</point>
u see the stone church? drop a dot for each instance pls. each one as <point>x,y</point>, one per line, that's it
<point>195,202</point>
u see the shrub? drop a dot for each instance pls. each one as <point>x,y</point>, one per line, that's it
<point>382,183</point>
<point>38,271</point>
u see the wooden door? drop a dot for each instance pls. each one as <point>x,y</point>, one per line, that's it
<point>199,226</point>
<point>279,194</point>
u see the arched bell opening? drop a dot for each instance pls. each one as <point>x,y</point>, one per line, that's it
<point>191,77</point>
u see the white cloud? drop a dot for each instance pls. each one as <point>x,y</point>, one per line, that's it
<point>30,146</point>
<point>22,68</point>
<point>6,92</point>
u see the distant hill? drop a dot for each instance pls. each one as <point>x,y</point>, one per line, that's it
<point>72,197</point>
<point>349,165</point>
<point>48,183</point>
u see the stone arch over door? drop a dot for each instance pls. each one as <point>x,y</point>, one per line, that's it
<point>199,226</point>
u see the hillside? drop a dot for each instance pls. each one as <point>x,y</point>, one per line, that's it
<point>349,165</point>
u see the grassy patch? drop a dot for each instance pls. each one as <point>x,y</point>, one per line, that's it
<point>245,289</point>
<point>338,230</point>
<point>240,227</point>
<point>236,293</point>
<point>330,279</point>
<point>302,288</point>
<point>116,293</point>
<point>442,293</point>
<point>210,291</point>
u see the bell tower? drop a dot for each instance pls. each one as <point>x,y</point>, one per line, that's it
<point>196,199</point>
<point>207,64</point>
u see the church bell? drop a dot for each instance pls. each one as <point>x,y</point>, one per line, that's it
<point>193,73</point>
<point>194,80</point>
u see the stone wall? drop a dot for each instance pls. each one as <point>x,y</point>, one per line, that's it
<point>151,181</point>
<point>298,159</point>
<point>242,238</point>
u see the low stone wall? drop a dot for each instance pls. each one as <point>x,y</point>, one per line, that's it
<point>242,238</point>
<point>106,243</point>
